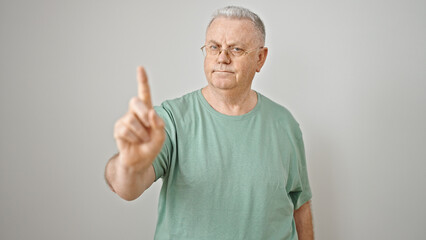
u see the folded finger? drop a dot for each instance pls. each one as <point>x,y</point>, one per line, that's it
<point>122,132</point>
<point>141,110</point>
<point>135,126</point>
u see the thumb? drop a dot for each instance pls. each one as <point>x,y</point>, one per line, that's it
<point>156,122</point>
<point>158,134</point>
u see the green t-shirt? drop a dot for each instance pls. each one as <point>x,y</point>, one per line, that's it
<point>229,177</point>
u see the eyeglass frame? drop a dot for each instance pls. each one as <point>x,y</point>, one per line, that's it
<point>228,51</point>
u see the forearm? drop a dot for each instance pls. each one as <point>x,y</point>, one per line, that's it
<point>127,182</point>
<point>303,219</point>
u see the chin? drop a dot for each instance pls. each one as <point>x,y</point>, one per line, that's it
<point>223,83</point>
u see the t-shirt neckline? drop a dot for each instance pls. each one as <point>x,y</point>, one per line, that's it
<point>230,117</point>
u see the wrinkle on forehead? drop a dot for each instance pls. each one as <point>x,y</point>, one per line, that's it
<point>232,31</point>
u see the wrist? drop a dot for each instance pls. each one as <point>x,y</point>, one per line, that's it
<point>123,166</point>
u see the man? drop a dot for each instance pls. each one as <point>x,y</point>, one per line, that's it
<point>232,161</point>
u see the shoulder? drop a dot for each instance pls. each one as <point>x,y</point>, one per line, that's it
<point>181,102</point>
<point>281,117</point>
<point>177,107</point>
<point>277,112</point>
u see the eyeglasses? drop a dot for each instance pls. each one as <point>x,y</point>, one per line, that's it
<point>214,50</point>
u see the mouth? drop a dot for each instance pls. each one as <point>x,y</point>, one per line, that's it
<point>217,71</point>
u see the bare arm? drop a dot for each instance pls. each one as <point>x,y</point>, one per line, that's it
<point>303,219</point>
<point>139,135</point>
<point>128,182</point>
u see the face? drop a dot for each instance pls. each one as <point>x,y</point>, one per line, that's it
<point>225,71</point>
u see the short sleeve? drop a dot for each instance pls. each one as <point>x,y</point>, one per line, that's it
<point>162,163</point>
<point>298,182</point>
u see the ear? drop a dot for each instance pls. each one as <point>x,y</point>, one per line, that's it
<point>263,53</point>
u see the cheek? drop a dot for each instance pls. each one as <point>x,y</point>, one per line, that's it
<point>246,69</point>
<point>206,68</point>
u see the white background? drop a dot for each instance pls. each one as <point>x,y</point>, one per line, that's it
<point>352,72</point>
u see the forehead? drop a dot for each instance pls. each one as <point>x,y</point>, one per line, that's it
<point>231,31</point>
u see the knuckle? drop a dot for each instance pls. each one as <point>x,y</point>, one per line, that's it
<point>124,131</point>
<point>138,107</point>
<point>118,126</point>
<point>118,131</point>
<point>133,102</point>
<point>128,119</point>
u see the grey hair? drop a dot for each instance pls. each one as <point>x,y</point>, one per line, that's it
<point>241,13</point>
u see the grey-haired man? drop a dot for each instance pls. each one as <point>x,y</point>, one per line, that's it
<point>232,161</point>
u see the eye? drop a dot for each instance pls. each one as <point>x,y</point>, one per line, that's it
<point>213,47</point>
<point>237,50</point>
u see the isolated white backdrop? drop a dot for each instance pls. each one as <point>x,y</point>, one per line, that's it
<point>352,72</point>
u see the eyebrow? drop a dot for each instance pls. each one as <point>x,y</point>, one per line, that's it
<point>230,45</point>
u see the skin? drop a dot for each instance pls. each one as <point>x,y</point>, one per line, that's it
<point>139,134</point>
<point>229,78</point>
<point>303,220</point>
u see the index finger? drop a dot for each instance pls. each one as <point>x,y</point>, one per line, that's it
<point>143,87</point>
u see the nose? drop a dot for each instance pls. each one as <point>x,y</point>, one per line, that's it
<point>224,57</point>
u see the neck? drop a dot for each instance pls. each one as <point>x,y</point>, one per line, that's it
<point>230,102</point>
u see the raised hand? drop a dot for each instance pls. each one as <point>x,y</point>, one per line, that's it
<point>139,134</point>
